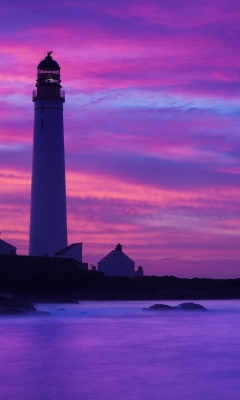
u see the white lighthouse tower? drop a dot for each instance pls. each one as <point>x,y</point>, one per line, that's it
<point>48,220</point>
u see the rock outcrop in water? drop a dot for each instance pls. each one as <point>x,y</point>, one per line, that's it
<point>183,306</point>
<point>191,306</point>
<point>10,306</point>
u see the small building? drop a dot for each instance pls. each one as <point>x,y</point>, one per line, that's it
<point>139,272</point>
<point>7,248</point>
<point>74,251</point>
<point>117,263</point>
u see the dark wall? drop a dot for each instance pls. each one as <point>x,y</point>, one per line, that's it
<point>27,272</point>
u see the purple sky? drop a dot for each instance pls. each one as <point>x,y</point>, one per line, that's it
<point>152,127</point>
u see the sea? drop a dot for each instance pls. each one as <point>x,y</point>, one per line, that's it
<point>112,350</point>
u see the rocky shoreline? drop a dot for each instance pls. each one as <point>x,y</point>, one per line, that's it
<point>40,279</point>
<point>11,306</point>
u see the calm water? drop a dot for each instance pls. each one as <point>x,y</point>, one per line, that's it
<point>113,351</point>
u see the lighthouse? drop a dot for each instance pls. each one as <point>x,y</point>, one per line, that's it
<point>48,219</point>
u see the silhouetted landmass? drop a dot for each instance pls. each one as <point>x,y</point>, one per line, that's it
<point>190,306</point>
<point>60,280</point>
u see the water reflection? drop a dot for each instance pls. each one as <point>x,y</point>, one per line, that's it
<point>112,350</point>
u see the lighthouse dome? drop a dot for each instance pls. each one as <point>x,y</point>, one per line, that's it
<point>48,64</point>
<point>48,72</point>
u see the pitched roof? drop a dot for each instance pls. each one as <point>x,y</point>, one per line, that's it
<point>108,256</point>
<point>8,244</point>
<point>63,251</point>
<point>111,254</point>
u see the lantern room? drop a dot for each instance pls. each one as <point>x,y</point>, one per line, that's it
<point>48,71</point>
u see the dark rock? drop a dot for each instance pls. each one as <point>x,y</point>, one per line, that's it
<point>183,306</point>
<point>160,307</point>
<point>14,304</point>
<point>191,306</point>
<point>11,306</point>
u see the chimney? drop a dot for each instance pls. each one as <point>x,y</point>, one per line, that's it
<point>118,247</point>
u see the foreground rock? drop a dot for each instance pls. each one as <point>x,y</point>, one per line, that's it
<point>10,306</point>
<point>191,306</point>
<point>183,306</point>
